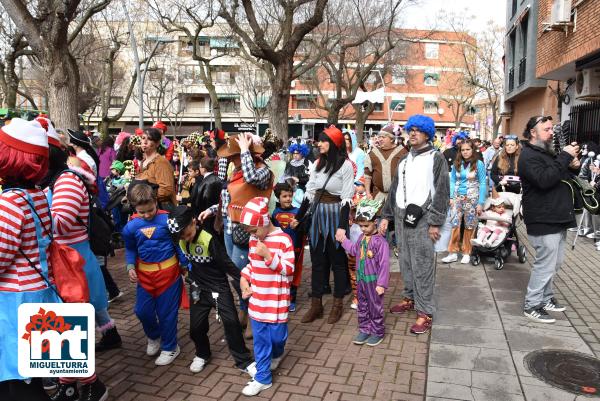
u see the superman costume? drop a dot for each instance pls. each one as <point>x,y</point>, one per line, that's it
<point>282,218</point>
<point>157,261</point>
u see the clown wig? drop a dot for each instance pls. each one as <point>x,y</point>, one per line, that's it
<point>301,148</point>
<point>18,167</point>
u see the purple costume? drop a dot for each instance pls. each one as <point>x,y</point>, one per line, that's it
<point>372,270</point>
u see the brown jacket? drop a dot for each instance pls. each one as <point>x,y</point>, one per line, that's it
<point>381,166</point>
<point>160,172</point>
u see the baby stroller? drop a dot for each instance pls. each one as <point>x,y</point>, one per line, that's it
<point>501,249</point>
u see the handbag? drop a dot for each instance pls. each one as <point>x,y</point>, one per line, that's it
<point>67,268</point>
<point>240,236</point>
<point>307,218</point>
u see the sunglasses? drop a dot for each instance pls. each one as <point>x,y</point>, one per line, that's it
<point>512,137</point>
<point>542,119</point>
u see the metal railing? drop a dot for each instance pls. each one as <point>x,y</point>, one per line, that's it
<point>511,79</point>
<point>522,70</point>
<point>585,122</point>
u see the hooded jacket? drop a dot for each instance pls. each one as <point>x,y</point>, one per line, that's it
<point>357,155</point>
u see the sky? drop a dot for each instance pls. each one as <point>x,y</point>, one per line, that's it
<point>426,14</point>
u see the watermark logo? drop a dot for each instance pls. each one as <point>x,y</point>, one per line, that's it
<point>56,340</point>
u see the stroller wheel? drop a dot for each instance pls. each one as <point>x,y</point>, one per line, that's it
<point>475,260</point>
<point>498,263</point>
<point>522,254</point>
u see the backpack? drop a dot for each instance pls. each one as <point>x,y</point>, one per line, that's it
<point>99,222</point>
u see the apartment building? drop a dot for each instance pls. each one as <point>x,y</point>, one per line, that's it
<point>425,82</point>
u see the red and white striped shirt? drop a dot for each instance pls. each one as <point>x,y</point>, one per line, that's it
<point>17,231</point>
<point>70,200</point>
<point>270,298</point>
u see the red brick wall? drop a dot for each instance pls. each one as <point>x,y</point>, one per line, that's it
<point>555,49</point>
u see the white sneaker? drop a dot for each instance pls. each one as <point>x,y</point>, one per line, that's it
<point>153,347</point>
<point>197,365</point>
<point>253,387</point>
<point>166,357</point>
<point>275,362</point>
<point>251,369</point>
<point>465,259</point>
<point>452,257</point>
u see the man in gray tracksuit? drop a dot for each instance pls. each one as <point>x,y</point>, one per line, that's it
<point>421,182</point>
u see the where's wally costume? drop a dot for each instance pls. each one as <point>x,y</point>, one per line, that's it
<point>25,224</point>
<point>160,290</point>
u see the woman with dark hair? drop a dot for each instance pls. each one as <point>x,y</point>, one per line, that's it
<point>25,272</point>
<point>505,171</point>
<point>329,193</point>
<point>106,155</point>
<point>84,151</point>
<point>157,169</point>
<point>126,150</point>
<point>468,191</point>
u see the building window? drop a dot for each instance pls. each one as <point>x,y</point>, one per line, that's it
<point>116,101</point>
<point>432,51</point>
<point>398,105</point>
<point>430,107</point>
<point>229,103</point>
<point>399,75</point>
<point>431,79</point>
<point>378,107</point>
<point>195,104</point>
<point>305,102</point>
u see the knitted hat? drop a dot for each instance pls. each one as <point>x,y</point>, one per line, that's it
<point>256,212</point>
<point>118,165</point>
<point>53,138</point>
<point>367,209</point>
<point>179,219</point>
<point>423,123</point>
<point>78,138</point>
<point>161,126</point>
<point>388,130</point>
<point>26,136</point>
<point>497,201</point>
<point>335,135</point>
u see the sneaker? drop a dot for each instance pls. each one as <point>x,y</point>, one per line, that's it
<point>404,306</point>
<point>592,235</point>
<point>452,257</point>
<point>96,391</point>
<point>253,387</point>
<point>119,295</point>
<point>553,306</point>
<point>275,362</point>
<point>50,383</point>
<point>66,392</point>
<point>153,347</point>
<point>374,340</point>
<point>539,315</point>
<point>360,338</point>
<point>110,340</point>
<point>166,357</point>
<point>466,259</point>
<point>292,307</point>
<point>197,365</point>
<point>354,305</point>
<point>251,369</point>
<point>424,326</point>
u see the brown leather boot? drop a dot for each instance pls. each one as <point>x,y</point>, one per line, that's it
<point>248,332</point>
<point>243,317</point>
<point>336,310</point>
<point>315,312</point>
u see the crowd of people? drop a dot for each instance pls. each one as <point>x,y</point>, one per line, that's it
<point>215,216</point>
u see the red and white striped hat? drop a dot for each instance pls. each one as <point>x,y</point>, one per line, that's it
<point>45,122</point>
<point>256,212</point>
<point>26,136</point>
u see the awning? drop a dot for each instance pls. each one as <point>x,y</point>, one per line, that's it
<point>222,43</point>
<point>228,96</point>
<point>376,96</point>
<point>260,102</point>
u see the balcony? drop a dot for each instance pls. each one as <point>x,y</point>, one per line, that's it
<point>522,70</point>
<point>511,79</point>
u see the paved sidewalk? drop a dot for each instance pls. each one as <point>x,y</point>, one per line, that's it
<point>321,363</point>
<point>481,336</point>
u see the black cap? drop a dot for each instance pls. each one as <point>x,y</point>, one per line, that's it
<point>179,219</point>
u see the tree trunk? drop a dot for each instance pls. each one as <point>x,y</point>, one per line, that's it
<point>361,119</point>
<point>333,113</point>
<point>62,76</point>
<point>216,106</point>
<point>12,83</point>
<point>280,99</point>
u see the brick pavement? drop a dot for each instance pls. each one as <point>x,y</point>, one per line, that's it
<point>321,363</point>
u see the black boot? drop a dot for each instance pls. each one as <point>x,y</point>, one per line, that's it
<point>96,391</point>
<point>66,392</point>
<point>110,340</point>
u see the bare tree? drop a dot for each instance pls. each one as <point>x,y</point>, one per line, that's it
<point>253,85</point>
<point>273,31</point>
<point>50,26</point>
<point>360,34</point>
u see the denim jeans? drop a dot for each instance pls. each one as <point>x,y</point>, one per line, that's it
<point>549,255</point>
<point>239,257</point>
